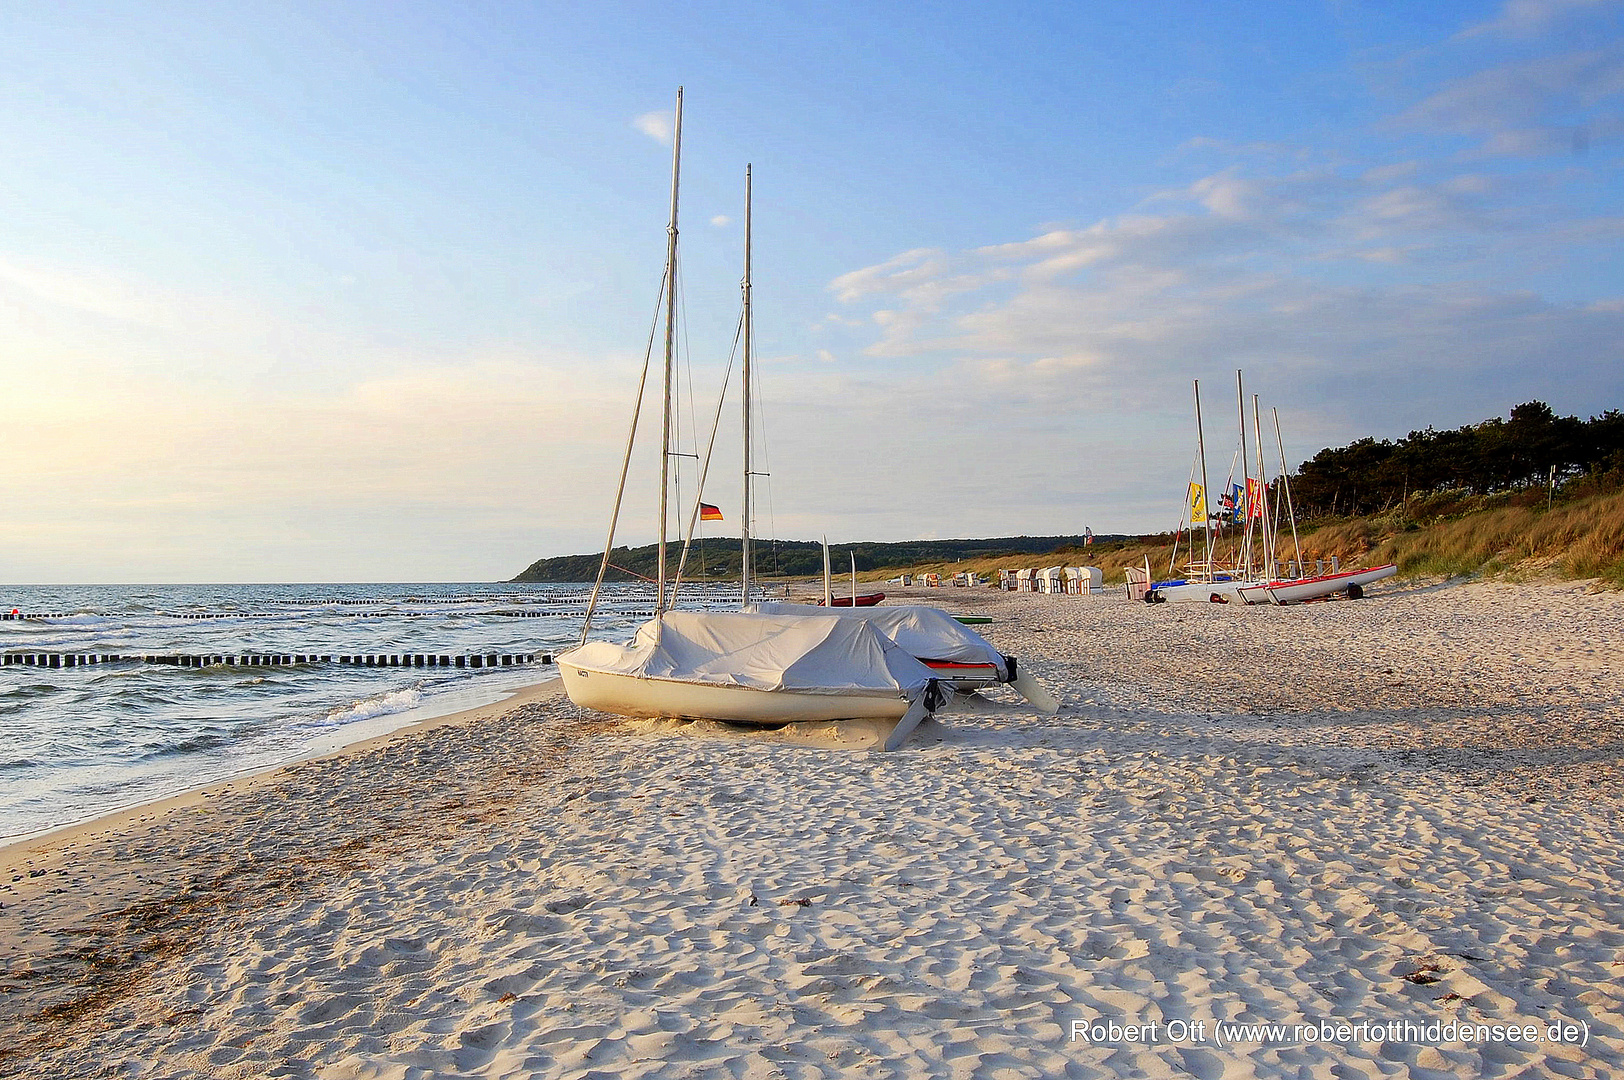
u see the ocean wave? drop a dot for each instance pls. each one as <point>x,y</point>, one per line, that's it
<point>28,691</point>
<point>392,701</point>
<point>205,740</point>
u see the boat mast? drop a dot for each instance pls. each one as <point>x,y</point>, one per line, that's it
<point>1265,527</point>
<point>828,584</point>
<point>744,545</point>
<point>1285,484</point>
<point>670,344</point>
<point>1246,481</point>
<point>1201,446</point>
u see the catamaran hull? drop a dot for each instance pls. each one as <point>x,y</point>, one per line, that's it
<point>1199,592</point>
<point>1271,592</point>
<point>628,695</point>
<point>1295,592</point>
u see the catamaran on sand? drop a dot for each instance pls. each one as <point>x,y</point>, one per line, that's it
<point>1249,579</point>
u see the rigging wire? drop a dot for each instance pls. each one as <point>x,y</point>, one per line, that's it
<point>766,460</point>
<point>683,353</point>
<point>631,438</point>
<point>704,470</point>
<point>688,364</point>
<point>1172,560</point>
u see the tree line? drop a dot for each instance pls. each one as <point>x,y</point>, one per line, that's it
<point>1370,475</point>
<point>719,557</point>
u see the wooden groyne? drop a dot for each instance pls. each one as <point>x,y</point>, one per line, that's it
<point>201,660</point>
<point>543,607</point>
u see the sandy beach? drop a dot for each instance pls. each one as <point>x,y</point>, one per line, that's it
<point>1397,811</point>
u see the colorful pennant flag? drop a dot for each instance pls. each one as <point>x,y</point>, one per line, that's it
<point>707,512</point>
<point>1198,504</point>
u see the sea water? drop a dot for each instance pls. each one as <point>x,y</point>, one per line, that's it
<point>82,741</point>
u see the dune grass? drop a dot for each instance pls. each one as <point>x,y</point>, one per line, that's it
<point>1581,538</point>
<point>1511,535</point>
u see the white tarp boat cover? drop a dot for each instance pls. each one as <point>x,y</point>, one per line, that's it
<point>806,654</point>
<point>926,632</point>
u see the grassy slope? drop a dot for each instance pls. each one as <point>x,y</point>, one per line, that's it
<point>1511,534</point>
<point>1442,534</point>
<point>1581,538</point>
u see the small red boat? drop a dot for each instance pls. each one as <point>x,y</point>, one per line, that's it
<point>866,600</point>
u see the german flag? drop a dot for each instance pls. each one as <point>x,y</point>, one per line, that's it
<point>707,512</point>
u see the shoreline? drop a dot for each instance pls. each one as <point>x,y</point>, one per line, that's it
<point>1401,808</point>
<point>188,795</point>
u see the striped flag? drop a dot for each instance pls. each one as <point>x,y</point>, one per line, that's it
<point>707,512</point>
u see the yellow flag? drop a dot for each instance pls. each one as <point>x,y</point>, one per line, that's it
<point>1198,505</point>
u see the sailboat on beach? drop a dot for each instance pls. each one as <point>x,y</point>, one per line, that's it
<point>746,667</point>
<point>961,659</point>
<point>1245,580</point>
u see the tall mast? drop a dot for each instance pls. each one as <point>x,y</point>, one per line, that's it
<point>1201,446</point>
<point>1285,484</point>
<point>670,346</point>
<point>1265,526</point>
<point>828,582</point>
<point>1246,480</point>
<point>744,545</point>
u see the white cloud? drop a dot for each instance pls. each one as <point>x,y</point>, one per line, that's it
<point>721,221</point>
<point>659,126</point>
<point>1354,300</point>
<point>920,264</point>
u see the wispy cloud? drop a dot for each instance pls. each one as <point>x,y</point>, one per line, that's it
<point>1524,18</point>
<point>660,126</point>
<point>1530,108</point>
<point>1318,280</point>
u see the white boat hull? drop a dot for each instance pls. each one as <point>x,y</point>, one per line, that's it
<point>1295,592</point>
<point>1201,592</point>
<point>628,695</point>
<point>1271,592</point>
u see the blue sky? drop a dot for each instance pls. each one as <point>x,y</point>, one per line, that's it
<point>321,292</point>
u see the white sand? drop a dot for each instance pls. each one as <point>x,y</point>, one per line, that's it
<point>1258,815</point>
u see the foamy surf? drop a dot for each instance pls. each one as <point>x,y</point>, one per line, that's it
<point>393,701</point>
